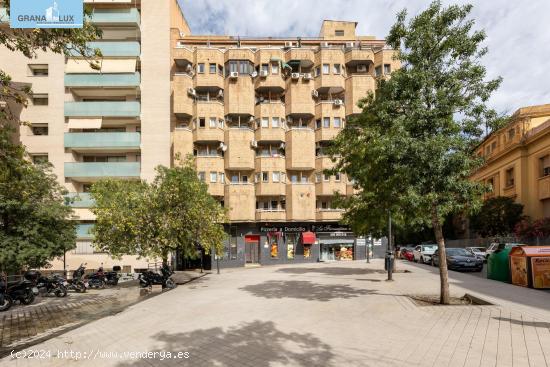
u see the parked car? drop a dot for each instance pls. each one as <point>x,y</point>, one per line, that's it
<point>459,259</point>
<point>479,252</point>
<point>495,246</point>
<point>423,253</point>
<point>407,252</point>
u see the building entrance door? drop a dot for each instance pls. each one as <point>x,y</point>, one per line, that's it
<point>252,249</point>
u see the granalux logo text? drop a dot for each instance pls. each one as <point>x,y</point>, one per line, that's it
<point>46,14</point>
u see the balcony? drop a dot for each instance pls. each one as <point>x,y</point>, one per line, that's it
<point>350,190</point>
<point>300,149</point>
<point>302,56</point>
<point>4,18</point>
<point>117,141</point>
<point>239,96</point>
<point>183,142</point>
<point>544,187</point>
<point>113,49</point>
<point>357,87</point>
<point>329,188</point>
<point>122,16</point>
<point>359,56</point>
<point>300,203</point>
<point>102,109</point>
<point>87,171</point>
<point>239,154</point>
<point>330,83</point>
<point>183,54</point>
<point>83,231</point>
<point>275,215</point>
<point>270,188</point>
<point>241,202</point>
<point>182,101</point>
<point>328,109</point>
<point>209,164</point>
<point>272,82</point>
<point>80,200</point>
<point>298,98</point>
<point>332,215</point>
<point>209,81</point>
<point>208,134</point>
<point>270,163</point>
<point>509,191</point>
<point>102,80</point>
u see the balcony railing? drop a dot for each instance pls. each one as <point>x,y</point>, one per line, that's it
<point>92,170</point>
<point>80,200</point>
<point>116,16</point>
<point>114,48</point>
<point>83,230</point>
<point>119,140</point>
<point>102,80</point>
<point>101,109</point>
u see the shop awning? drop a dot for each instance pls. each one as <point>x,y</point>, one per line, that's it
<point>308,238</point>
<point>93,123</point>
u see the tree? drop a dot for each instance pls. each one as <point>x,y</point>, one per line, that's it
<point>497,217</point>
<point>174,212</point>
<point>410,150</point>
<point>35,223</point>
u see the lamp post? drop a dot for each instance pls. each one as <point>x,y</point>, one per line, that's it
<point>390,250</point>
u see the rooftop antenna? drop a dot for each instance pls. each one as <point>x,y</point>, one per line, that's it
<point>299,41</point>
<point>239,41</point>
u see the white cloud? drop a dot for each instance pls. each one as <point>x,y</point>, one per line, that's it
<point>518,36</point>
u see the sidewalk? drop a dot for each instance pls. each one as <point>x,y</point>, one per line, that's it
<point>337,314</point>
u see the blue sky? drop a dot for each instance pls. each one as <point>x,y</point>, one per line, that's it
<point>518,35</point>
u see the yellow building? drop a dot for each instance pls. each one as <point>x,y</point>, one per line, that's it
<point>258,115</point>
<point>518,160</point>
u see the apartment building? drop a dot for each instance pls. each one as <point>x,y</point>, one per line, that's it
<point>112,122</point>
<point>258,115</point>
<point>518,160</point>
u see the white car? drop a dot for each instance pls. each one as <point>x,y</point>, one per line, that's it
<point>423,253</point>
<point>478,252</point>
<point>495,246</point>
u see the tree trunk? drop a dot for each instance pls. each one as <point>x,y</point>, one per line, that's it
<point>443,272</point>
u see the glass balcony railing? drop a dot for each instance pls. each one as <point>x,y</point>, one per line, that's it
<point>80,200</point>
<point>4,18</point>
<point>102,140</point>
<point>101,109</point>
<point>102,80</point>
<point>88,170</point>
<point>114,48</point>
<point>116,16</point>
<point>83,230</point>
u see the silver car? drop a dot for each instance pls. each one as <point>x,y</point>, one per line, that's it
<point>423,253</point>
<point>479,252</point>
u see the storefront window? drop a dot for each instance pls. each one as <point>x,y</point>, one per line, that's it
<point>233,248</point>
<point>290,246</point>
<point>307,251</point>
<point>273,241</point>
<point>345,253</point>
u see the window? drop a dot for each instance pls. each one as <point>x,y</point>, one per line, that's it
<point>337,177</point>
<point>265,121</point>
<point>491,183</point>
<point>387,69</point>
<point>274,122</point>
<point>213,177</point>
<point>212,68</point>
<point>244,179</point>
<point>40,99</point>
<point>337,122</point>
<point>86,187</point>
<point>221,123</point>
<point>317,71</point>
<point>202,122</point>
<point>324,205</point>
<point>39,158</point>
<point>233,247</point>
<point>318,123</point>
<point>339,33</point>
<point>336,69</point>
<point>326,68</point>
<point>274,247</point>
<point>545,166</point>
<point>326,177</point>
<point>275,68</point>
<point>265,68</point>
<point>222,177</point>
<point>283,177</point>
<point>326,122</point>
<point>265,176</point>
<point>511,134</point>
<point>235,178</point>
<point>213,122</point>
<point>200,68</point>
<point>294,178</point>
<point>39,69</point>
<point>233,67</point>
<point>378,71</point>
<point>276,176</point>
<point>245,67</point>
<point>304,178</point>
<point>317,177</point>
<point>510,177</point>
<point>220,72</point>
<point>39,129</point>
<point>201,176</point>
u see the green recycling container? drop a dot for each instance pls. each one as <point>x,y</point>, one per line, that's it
<point>498,264</point>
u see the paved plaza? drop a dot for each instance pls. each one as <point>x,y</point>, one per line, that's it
<point>337,314</point>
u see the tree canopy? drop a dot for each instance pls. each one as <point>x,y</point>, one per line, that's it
<point>174,212</point>
<point>498,216</point>
<point>410,150</point>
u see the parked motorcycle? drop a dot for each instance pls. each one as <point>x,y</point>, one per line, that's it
<point>5,299</point>
<point>22,291</point>
<point>163,278</point>
<point>47,285</point>
<point>76,283</point>
<point>100,278</point>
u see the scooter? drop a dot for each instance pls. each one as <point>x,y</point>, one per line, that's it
<point>22,291</point>
<point>47,285</point>
<point>76,284</point>
<point>100,279</point>
<point>5,299</point>
<point>150,277</point>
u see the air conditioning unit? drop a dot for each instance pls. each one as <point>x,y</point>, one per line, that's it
<point>234,74</point>
<point>220,93</point>
<point>362,68</point>
<point>289,119</point>
<point>191,92</point>
<point>254,74</point>
<point>253,143</point>
<point>263,73</point>
<point>338,102</point>
<point>350,44</point>
<point>189,68</point>
<point>308,76</point>
<point>251,119</point>
<point>282,146</point>
<point>180,44</point>
<point>324,44</point>
<point>262,99</point>
<point>289,44</point>
<point>222,147</point>
<point>315,93</point>
<point>295,75</point>
<point>3,104</point>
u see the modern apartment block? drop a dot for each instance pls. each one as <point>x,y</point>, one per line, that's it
<point>113,122</point>
<point>518,160</point>
<point>258,115</point>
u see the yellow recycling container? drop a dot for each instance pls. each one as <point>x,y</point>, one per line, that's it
<point>530,266</point>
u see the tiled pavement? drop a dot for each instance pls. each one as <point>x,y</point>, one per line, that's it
<point>339,314</point>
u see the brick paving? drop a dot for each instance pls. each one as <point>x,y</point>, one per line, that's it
<point>338,314</point>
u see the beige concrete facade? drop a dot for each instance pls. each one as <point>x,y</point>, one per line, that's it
<point>518,160</point>
<point>270,107</point>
